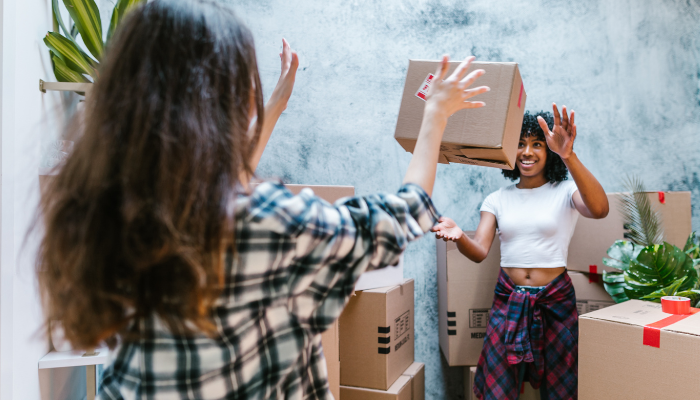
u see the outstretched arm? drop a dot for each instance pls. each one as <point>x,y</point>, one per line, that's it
<point>278,101</point>
<point>447,95</point>
<point>590,199</point>
<point>475,249</point>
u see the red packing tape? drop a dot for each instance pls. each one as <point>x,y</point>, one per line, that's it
<point>520,97</point>
<point>662,198</point>
<point>675,305</point>
<point>652,332</point>
<point>680,309</point>
<point>592,274</point>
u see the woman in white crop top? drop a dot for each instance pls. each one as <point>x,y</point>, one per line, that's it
<point>533,330</point>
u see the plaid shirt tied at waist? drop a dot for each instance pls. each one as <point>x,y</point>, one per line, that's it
<point>538,329</point>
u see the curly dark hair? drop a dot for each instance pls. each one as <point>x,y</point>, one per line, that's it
<point>554,170</point>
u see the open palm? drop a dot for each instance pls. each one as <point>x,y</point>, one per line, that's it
<point>447,229</point>
<point>561,138</point>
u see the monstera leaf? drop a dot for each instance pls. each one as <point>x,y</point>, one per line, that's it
<point>614,283</point>
<point>660,267</point>
<point>621,253</point>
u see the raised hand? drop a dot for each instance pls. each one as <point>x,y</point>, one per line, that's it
<point>447,229</point>
<point>283,90</point>
<point>449,94</point>
<point>561,138</point>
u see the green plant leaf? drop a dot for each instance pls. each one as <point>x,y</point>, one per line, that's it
<point>86,16</point>
<point>67,51</point>
<point>657,267</point>
<point>614,284</point>
<point>120,11</point>
<point>63,73</point>
<point>641,220</point>
<point>670,290</point>
<point>692,246</point>
<point>57,14</point>
<point>621,254</point>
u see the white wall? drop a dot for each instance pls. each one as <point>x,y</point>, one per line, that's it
<point>28,117</point>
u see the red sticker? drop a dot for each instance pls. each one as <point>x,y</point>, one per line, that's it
<point>422,93</point>
<point>662,198</point>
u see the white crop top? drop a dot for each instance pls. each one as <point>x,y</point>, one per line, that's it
<point>535,225</point>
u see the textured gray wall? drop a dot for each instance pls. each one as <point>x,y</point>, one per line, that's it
<point>630,69</point>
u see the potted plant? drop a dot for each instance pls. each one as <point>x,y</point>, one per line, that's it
<point>74,66</point>
<point>649,267</point>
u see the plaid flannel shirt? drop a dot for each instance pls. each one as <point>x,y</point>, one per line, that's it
<point>540,330</point>
<point>296,262</point>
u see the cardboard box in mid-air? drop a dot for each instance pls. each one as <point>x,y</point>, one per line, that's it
<point>486,136</point>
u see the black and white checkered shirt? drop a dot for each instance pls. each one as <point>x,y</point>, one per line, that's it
<point>296,262</point>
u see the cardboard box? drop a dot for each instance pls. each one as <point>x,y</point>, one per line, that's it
<point>593,237</point>
<point>590,293</point>
<point>409,386</point>
<point>376,336</point>
<point>526,393</point>
<point>389,276</point>
<point>614,362</point>
<point>485,136</point>
<point>417,374</point>
<point>330,341</point>
<point>465,296</point>
<point>400,390</point>
<point>328,193</point>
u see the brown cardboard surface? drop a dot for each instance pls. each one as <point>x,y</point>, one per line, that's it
<point>376,336</point>
<point>327,193</point>
<point>590,296</point>
<point>331,350</point>
<point>614,364</point>
<point>593,237</point>
<point>400,390</point>
<point>417,374</point>
<point>485,136</point>
<point>470,372</point>
<point>465,296</point>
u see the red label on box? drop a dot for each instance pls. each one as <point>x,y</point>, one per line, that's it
<point>662,198</point>
<point>422,93</point>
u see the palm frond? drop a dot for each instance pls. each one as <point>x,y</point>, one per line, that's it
<point>640,218</point>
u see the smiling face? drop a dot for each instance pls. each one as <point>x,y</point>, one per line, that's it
<point>532,156</point>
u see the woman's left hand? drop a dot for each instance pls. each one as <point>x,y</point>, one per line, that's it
<point>561,138</point>
<point>285,85</point>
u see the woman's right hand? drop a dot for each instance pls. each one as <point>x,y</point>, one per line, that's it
<point>447,230</point>
<point>447,95</point>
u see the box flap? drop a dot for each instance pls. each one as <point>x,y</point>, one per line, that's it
<point>413,369</point>
<point>387,289</point>
<point>642,313</point>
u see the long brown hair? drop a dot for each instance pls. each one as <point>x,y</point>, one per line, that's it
<point>138,220</point>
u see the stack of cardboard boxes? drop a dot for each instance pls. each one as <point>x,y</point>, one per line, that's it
<point>377,346</point>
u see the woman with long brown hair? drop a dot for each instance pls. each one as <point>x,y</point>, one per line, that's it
<point>155,244</point>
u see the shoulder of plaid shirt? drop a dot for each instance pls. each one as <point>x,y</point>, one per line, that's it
<point>296,262</point>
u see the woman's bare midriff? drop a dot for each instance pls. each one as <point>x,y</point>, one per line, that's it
<point>533,276</point>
